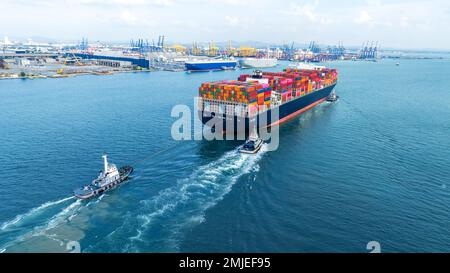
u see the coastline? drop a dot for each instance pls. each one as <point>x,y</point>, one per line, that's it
<point>58,76</point>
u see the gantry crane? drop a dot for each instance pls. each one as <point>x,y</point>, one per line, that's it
<point>61,70</point>
<point>212,50</point>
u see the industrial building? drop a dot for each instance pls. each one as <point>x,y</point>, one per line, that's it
<point>141,62</point>
<point>112,63</point>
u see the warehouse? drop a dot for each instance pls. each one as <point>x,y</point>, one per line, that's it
<point>113,63</point>
<point>141,62</point>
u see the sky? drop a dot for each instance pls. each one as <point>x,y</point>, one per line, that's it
<point>407,24</point>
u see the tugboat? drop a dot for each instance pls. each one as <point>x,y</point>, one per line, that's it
<point>253,144</point>
<point>108,179</point>
<point>332,97</point>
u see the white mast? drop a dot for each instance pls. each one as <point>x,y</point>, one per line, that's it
<point>105,162</point>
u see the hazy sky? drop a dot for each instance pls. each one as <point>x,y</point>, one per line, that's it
<point>395,23</point>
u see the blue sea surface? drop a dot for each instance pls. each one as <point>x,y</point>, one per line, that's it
<point>374,166</point>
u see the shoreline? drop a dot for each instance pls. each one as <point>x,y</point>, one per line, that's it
<point>106,73</point>
<point>58,76</point>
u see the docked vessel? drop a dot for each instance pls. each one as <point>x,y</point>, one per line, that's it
<point>252,98</point>
<point>210,64</point>
<point>108,179</point>
<point>305,66</point>
<point>258,62</point>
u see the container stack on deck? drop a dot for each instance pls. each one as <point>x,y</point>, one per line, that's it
<point>251,94</point>
<point>289,84</point>
<point>300,82</point>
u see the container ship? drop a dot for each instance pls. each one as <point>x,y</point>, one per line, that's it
<point>291,92</point>
<point>258,62</point>
<point>210,65</point>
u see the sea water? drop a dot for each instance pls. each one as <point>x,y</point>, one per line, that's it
<point>374,166</point>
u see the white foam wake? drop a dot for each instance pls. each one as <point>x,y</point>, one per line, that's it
<point>185,203</point>
<point>33,212</point>
<point>65,215</point>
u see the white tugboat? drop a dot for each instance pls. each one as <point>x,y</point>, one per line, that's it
<point>108,179</point>
<point>253,144</point>
<point>333,97</point>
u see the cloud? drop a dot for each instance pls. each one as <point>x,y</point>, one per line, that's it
<point>228,2</point>
<point>325,21</point>
<point>404,21</point>
<point>128,18</point>
<point>124,2</point>
<point>364,18</point>
<point>105,3</point>
<point>407,23</point>
<point>232,21</point>
<point>307,10</point>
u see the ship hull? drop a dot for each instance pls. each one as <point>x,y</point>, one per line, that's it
<point>286,112</point>
<point>210,66</point>
<point>87,194</point>
<point>258,63</point>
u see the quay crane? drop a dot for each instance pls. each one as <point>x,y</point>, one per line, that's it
<point>61,70</point>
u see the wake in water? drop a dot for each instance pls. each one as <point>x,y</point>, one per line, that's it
<point>173,210</point>
<point>17,230</point>
<point>32,213</point>
<point>156,225</point>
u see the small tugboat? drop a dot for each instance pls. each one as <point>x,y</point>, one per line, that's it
<point>252,145</point>
<point>332,97</point>
<point>108,179</point>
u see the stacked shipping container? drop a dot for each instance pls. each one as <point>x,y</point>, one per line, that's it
<point>252,94</point>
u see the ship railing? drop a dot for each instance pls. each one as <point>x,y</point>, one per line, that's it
<point>223,107</point>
